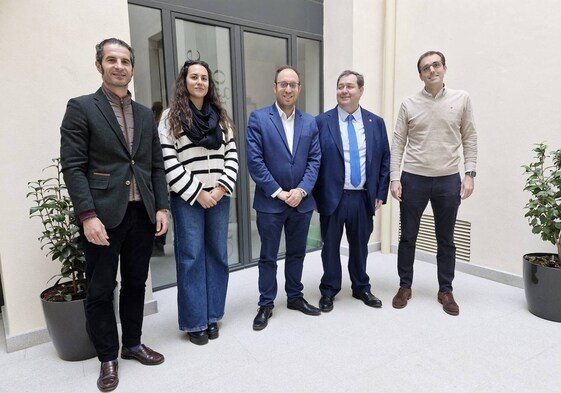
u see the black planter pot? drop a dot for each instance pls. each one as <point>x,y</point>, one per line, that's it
<point>66,323</point>
<point>542,286</point>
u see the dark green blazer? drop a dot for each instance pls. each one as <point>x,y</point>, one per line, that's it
<point>98,166</point>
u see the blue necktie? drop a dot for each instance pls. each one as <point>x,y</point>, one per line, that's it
<point>353,153</point>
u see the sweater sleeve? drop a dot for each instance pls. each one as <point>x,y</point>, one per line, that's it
<point>180,180</point>
<point>230,173</point>
<point>398,143</point>
<point>469,137</point>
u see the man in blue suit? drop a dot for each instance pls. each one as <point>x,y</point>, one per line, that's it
<point>283,158</point>
<point>352,184</point>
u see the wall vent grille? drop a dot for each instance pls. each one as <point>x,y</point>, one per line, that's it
<point>426,241</point>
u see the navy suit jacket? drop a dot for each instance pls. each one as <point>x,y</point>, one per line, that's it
<point>331,179</point>
<point>98,166</point>
<point>272,166</point>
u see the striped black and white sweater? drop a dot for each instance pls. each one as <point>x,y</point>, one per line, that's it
<point>191,168</point>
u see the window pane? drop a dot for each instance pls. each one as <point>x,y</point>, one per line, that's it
<point>197,41</point>
<point>309,66</point>
<point>263,55</point>
<point>150,90</point>
<point>146,40</point>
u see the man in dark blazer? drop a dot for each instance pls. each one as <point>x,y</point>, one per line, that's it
<point>283,158</point>
<point>352,184</point>
<point>113,168</point>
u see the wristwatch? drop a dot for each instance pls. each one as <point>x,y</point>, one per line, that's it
<point>471,173</point>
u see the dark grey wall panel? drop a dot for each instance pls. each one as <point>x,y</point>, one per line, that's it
<point>301,15</point>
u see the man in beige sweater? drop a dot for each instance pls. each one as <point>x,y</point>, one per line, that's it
<point>431,127</point>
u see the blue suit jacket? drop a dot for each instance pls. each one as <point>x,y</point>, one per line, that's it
<point>331,179</point>
<point>272,166</point>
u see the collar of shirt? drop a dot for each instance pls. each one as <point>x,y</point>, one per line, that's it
<point>112,97</point>
<point>283,115</point>
<point>441,93</point>
<point>357,115</point>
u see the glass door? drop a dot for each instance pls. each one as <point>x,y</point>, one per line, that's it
<point>211,43</point>
<point>263,55</point>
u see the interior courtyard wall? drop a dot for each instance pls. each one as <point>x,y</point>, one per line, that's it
<point>48,54</point>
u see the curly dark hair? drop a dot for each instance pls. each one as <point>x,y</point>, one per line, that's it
<point>180,100</point>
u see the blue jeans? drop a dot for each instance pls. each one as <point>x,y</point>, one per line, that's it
<point>443,192</point>
<point>201,256</point>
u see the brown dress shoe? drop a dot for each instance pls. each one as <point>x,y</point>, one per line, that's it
<point>401,297</point>
<point>144,355</point>
<point>108,376</point>
<point>448,303</point>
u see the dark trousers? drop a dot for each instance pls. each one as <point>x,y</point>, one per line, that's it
<point>270,226</point>
<point>443,192</point>
<point>353,215</point>
<point>131,242</point>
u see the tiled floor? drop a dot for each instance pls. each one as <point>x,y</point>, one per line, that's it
<point>494,345</point>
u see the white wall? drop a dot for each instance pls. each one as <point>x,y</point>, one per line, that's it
<point>506,55</point>
<point>48,53</point>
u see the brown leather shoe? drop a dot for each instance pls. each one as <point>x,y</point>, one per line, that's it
<point>448,303</point>
<point>108,376</point>
<point>401,297</point>
<point>144,355</point>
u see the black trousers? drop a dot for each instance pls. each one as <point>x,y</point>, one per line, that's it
<point>353,215</point>
<point>131,244</point>
<point>443,192</point>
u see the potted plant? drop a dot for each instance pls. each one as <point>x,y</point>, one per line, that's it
<point>63,303</point>
<point>542,271</point>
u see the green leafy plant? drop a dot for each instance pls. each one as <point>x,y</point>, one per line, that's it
<point>61,234</point>
<point>544,184</point>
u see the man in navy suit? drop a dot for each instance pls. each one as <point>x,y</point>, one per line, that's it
<point>283,158</point>
<point>352,184</point>
<point>113,167</point>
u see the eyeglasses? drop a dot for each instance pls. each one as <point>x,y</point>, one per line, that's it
<point>284,85</point>
<point>435,65</point>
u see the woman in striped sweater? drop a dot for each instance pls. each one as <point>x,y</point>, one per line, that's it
<point>201,169</point>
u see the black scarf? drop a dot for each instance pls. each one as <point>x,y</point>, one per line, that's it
<point>205,130</point>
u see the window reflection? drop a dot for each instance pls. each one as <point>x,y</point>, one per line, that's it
<point>150,90</point>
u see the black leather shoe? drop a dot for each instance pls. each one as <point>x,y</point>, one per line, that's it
<point>301,304</point>
<point>144,355</point>
<point>368,299</point>
<point>108,376</point>
<point>262,318</point>
<point>326,303</point>
<point>199,338</point>
<point>212,331</point>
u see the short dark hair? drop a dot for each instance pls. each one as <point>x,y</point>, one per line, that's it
<point>286,67</point>
<point>359,77</point>
<point>430,53</point>
<point>99,48</point>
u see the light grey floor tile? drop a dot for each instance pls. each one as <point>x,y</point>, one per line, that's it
<point>494,345</point>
